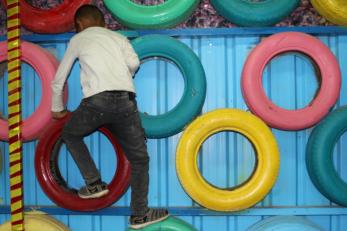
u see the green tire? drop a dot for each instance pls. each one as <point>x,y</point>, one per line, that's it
<point>165,15</point>
<point>169,224</point>
<point>319,156</point>
<point>194,92</point>
<point>253,14</point>
<point>285,223</point>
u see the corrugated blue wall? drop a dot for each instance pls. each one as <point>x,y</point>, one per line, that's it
<point>226,158</point>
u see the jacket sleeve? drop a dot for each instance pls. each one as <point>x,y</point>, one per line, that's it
<point>131,58</point>
<point>61,76</point>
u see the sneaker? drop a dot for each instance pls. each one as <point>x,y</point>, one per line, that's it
<point>151,217</point>
<point>93,191</point>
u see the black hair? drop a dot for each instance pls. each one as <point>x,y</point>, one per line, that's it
<point>90,12</point>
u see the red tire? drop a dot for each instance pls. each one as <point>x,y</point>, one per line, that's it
<point>261,105</point>
<point>45,65</point>
<point>50,21</point>
<point>48,174</point>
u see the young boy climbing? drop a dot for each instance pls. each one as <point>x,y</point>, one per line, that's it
<point>107,62</point>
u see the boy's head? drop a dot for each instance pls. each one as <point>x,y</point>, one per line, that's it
<point>88,16</point>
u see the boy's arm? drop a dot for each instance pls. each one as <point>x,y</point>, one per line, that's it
<point>58,83</point>
<point>131,57</point>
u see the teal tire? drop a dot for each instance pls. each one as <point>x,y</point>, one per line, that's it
<point>169,224</point>
<point>284,223</point>
<point>165,15</point>
<point>319,156</point>
<point>194,92</point>
<point>255,14</point>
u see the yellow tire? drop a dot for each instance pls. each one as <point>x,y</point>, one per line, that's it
<point>245,195</point>
<point>35,221</point>
<point>333,10</point>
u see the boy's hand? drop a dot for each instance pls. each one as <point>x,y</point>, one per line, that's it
<point>60,114</point>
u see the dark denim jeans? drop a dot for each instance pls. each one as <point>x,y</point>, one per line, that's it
<point>118,111</point>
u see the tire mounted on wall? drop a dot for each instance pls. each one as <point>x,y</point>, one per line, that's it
<point>284,223</point>
<point>169,224</point>
<point>53,184</point>
<point>242,196</point>
<point>56,20</point>
<point>164,15</point>
<point>333,10</point>
<point>319,156</point>
<point>45,65</point>
<point>34,221</point>
<point>255,14</point>
<point>261,105</point>
<point>194,93</point>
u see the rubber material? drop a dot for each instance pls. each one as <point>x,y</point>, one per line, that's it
<point>169,224</point>
<point>261,105</point>
<point>165,15</point>
<point>194,93</point>
<point>45,66</point>
<point>245,195</point>
<point>50,21</point>
<point>253,14</point>
<point>35,221</point>
<point>333,10</point>
<point>285,223</point>
<point>53,184</point>
<point>319,156</point>
<point>1,163</point>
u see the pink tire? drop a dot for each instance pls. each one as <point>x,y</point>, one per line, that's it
<point>45,66</point>
<point>51,58</point>
<point>261,105</point>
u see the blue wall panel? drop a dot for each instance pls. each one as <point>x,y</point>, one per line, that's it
<point>226,159</point>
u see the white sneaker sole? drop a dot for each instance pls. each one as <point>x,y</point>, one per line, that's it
<point>148,223</point>
<point>94,195</point>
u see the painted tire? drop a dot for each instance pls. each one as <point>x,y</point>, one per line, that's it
<point>50,21</point>
<point>167,14</point>
<point>257,186</point>
<point>319,152</point>
<point>51,58</point>
<point>247,13</point>
<point>193,98</point>
<point>284,223</point>
<point>53,184</point>
<point>273,115</point>
<point>169,224</point>
<point>334,10</point>
<point>38,221</point>
<point>45,66</point>
<point>1,159</point>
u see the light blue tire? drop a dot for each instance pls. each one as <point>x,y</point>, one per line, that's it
<point>285,223</point>
<point>194,92</point>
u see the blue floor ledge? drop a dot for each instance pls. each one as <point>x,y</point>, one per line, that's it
<point>191,211</point>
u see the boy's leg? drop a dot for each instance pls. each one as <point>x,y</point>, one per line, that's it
<point>130,135</point>
<point>127,128</point>
<point>82,122</point>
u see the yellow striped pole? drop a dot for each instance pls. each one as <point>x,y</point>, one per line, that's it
<point>14,114</point>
